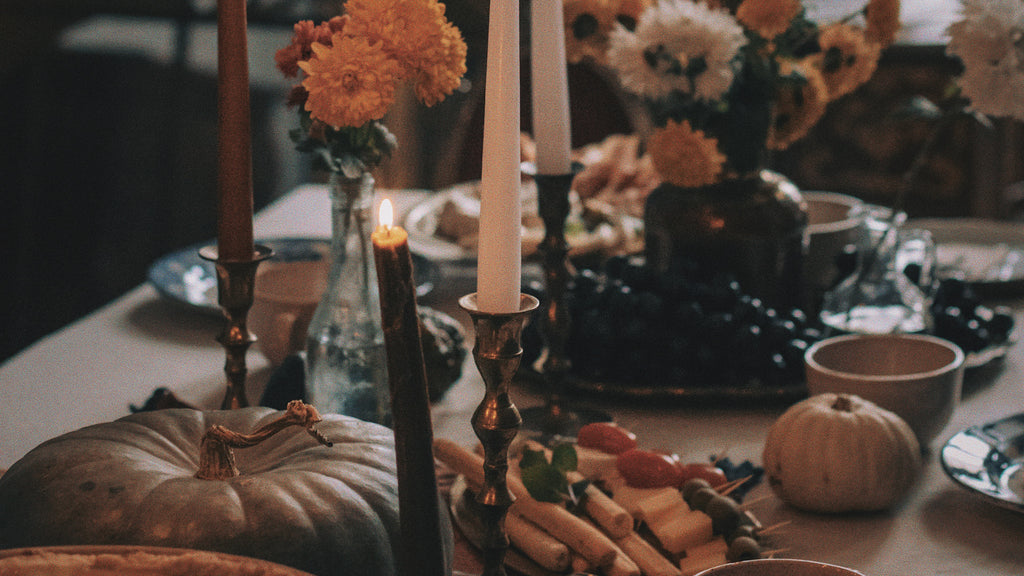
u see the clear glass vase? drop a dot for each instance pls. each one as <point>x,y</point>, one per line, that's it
<point>345,363</point>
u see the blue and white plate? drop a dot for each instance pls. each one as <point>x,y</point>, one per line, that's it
<point>188,279</point>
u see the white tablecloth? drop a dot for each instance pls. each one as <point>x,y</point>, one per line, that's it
<point>92,370</point>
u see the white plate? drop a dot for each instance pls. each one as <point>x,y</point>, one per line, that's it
<point>621,232</point>
<point>988,254</point>
<point>989,460</point>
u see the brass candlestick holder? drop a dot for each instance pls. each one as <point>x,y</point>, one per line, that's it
<point>553,205</point>
<point>236,281</point>
<point>497,352</point>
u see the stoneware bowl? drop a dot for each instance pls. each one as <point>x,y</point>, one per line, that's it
<point>779,567</point>
<point>916,376</point>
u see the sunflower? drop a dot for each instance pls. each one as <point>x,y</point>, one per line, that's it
<point>799,104</point>
<point>883,21</point>
<point>769,18</point>
<point>588,24</point>
<point>684,156</point>
<point>847,59</point>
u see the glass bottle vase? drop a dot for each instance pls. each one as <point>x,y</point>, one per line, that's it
<point>345,362</point>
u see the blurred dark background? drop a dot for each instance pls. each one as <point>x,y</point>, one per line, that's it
<point>108,129</point>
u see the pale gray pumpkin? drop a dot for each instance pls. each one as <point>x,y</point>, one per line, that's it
<point>327,510</point>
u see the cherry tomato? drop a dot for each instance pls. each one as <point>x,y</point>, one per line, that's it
<point>646,469</point>
<point>607,437</point>
<point>703,470</point>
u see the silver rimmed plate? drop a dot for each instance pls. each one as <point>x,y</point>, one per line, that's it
<point>989,460</point>
<point>988,254</point>
<point>186,278</point>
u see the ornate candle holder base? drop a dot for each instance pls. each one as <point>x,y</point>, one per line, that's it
<point>554,418</point>
<point>236,281</point>
<point>497,352</point>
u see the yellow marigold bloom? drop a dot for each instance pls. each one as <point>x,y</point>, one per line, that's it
<point>847,59</point>
<point>797,107</point>
<point>350,82</point>
<point>588,24</point>
<point>684,156</point>
<point>883,20</point>
<point>769,18</point>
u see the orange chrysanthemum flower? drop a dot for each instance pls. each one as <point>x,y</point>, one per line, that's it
<point>300,48</point>
<point>350,82</point>
<point>684,156</point>
<point>416,34</point>
<point>439,76</point>
<point>798,107</point>
<point>847,59</point>
<point>883,21</point>
<point>769,18</point>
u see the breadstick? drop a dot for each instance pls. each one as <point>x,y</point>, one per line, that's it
<point>622,564</point>
<point>576,533</point>
<point>607,513</point>
<point>581,564</point>
<point>590,542</point>
<point>537,544</point>
<point>650,561</point>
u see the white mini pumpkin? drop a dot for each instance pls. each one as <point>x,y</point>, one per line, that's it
<point>840,453</point>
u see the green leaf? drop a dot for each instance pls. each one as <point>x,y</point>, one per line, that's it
<point>532,458</point>
<point>563,457</point>
<point>544,483</point>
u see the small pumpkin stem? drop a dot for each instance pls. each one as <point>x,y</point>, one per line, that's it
<point>842,403</point>
<point>216,458</point>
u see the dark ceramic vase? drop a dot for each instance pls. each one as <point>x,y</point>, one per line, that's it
<point>749,228</point>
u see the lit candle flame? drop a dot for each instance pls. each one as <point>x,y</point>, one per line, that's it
<point>386,215</point>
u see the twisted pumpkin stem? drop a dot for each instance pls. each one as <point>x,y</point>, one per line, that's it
<point>216,457</point>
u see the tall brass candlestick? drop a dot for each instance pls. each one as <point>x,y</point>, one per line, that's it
<point>553,206</point>
<point>497,352</point>
<point>236,281</point>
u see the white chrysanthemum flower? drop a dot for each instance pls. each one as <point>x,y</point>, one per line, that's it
<point>989,39</point>
<point>678,45</point>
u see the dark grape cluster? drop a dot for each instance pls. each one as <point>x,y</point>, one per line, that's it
<point>960,317</point>
<point>631,327</point>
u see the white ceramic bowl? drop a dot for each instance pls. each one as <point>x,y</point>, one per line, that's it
<point>779,567</point>
<point>916,376</point>
<point>833,221</point>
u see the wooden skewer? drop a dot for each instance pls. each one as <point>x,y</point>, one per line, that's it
<point>732,485</point>
<point>750,503</point>
<point>773,527</point>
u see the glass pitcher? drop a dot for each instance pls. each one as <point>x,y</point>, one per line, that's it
<point>879,297</point>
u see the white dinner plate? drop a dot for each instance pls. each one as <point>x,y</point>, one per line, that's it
<point>989,460</point>
<point>988,254</point>
<point>619,232</point>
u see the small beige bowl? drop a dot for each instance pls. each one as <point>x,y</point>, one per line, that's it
<point>779,567</point>
<point>916,376</point>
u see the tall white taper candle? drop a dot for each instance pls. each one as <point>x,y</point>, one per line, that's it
<point>550,87</point>
<point>500,248</point>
